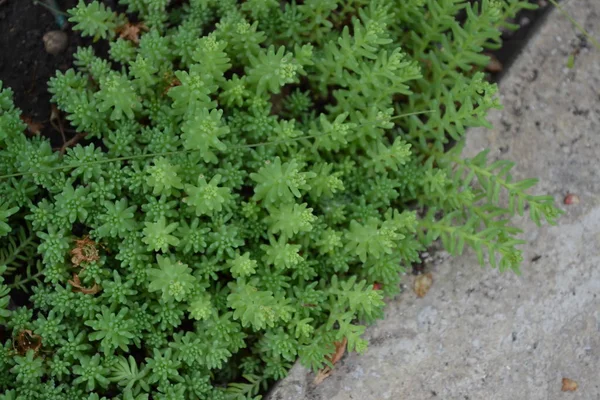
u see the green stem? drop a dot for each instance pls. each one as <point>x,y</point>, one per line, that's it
<point>576,24</point>
<point>24,281</point>
<point>478,170</point>
<point>19,248</point>
<point>168,153</point>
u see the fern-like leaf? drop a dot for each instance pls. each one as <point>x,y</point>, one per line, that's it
<point>245,391</point>
<point>19,249</point>
<point>23,281</point>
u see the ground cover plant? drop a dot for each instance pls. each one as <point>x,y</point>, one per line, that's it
<point>245,184</point>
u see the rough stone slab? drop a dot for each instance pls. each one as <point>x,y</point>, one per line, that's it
<point>479,334</point>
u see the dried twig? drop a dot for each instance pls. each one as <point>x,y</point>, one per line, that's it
<point>54,118</point>
<point>71,142</point>
<point>32,86</point>
<point>340,350</point>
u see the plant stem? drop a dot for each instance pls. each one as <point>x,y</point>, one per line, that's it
<point>576,24</point>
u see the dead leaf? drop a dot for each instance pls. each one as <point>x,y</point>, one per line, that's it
<point>422,284</point>
<point>569,385</point>
<point>132,32</point>
<point>76,283</point>
<point>85,251</point>
<point>172,83</point>
<point>25,341</point>
<point>340,349</point>
<point>33,128</point>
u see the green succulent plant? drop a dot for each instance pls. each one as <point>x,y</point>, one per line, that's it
<point>255,178</point>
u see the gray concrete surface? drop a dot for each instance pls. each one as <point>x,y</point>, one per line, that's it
<point>479,334</point>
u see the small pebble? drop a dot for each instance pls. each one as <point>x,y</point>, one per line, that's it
<point>494,65</point>
<point>569,385</point>
<point>571,199</point>
<point>55,42</point>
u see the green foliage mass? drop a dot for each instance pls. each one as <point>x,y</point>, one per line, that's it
<point>254,179</point>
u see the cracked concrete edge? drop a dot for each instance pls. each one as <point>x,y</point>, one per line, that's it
<point>479,334</point>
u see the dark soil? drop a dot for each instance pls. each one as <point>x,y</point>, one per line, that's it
<point>26,67</point>
<point>24,64</point>
<point>514,41</point>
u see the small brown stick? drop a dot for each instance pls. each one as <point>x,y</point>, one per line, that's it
<point>71,142</point>
<point>35,68</point>
<point>55,115</point>
<point>54,118</point>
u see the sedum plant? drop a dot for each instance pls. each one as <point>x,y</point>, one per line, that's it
<point>254,179</point>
